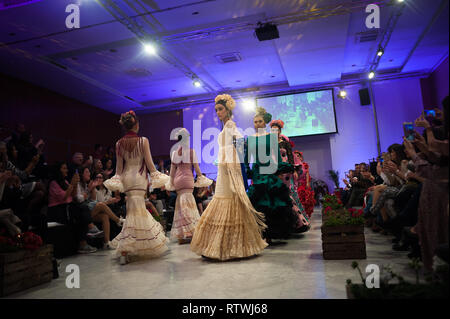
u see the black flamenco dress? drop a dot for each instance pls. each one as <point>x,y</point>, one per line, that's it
<point>268,194</point>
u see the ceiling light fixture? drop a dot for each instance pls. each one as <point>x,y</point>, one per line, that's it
<point>249,104</point>
<point>150,48</point>
<point>197,83</point>
<point>380,52</point>
<point>371,75</point>
<point>342,94</point>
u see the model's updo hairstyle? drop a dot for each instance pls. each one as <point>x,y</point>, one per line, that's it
<point>260,111</point>
<point>128,120</point>
<point>227,101</point>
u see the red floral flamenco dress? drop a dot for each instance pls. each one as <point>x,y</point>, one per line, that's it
<point>305,192</point>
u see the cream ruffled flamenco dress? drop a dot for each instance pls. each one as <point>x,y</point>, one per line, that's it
<point>141,235</point>
<point>230,227</point>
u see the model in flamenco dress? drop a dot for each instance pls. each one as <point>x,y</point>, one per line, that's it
<point>186,215</point>
<point>268,193</point>
<point>230,227</point>
<point>302,224</point>
<point>302,180</point>
<point>141,235</point>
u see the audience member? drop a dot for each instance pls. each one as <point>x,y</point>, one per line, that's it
<point>86,195</point>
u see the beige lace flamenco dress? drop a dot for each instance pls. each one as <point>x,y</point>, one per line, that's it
<point>141,235</point>
<point>230,227</point>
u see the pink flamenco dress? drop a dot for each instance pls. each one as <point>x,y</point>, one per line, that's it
<point>186,215</point>
<point>141,235</point>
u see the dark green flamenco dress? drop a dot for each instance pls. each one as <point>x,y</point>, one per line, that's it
<point>268,194</point>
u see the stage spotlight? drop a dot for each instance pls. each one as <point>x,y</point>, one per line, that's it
<point>342,94</point>
<point>380,52</point>
<point>371,75</point>
<point>197,83</point>
<point>248,104</point>
<point>150,48</point>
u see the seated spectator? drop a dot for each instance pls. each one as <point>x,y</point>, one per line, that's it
<point>110,154</point>
<point>15,135</point>
<point>162,167</point>
<point>360,183</point>
<point>104,195</point>
<point>200,195</point>
<point>100,212</point>
<point>157,203</point>
<point>98,152</point>
<point>97,167</point>
<point>63,210</point>
<point>78,163</point>
<point>9,196</point>
<point>32,194</point>
<point>109,170</point>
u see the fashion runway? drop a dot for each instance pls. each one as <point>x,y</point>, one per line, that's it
<point>293,271</point>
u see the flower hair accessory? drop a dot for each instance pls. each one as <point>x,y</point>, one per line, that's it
<point>225,100</point>
<point>278,123</point>
<point>128,115</point>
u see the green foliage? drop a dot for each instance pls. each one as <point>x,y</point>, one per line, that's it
<point>331,201</point>
<point>342,217</point>
<point>435,288</point>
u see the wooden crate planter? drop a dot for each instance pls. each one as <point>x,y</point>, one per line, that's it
<point>24,269</point>
<point>343,242</point>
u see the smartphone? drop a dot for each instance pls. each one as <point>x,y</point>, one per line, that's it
<point>408,129</point>
<point>431,113</point>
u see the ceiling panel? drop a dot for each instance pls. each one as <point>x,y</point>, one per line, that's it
<point>105,62</point>
<point>313,51</point>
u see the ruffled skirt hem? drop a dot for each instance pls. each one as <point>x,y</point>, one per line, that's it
<point>185,218</point>
<point>227,231</point>
<point>141,234</point>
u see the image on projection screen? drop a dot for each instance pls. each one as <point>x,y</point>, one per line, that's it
<point>308,113</point>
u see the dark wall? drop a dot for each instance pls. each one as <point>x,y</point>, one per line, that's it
<point>435,87</point>
<point>157,127</point>
<point>66,125</point>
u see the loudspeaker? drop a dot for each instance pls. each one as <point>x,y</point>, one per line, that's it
<point>267,32</point>
<point>364,96</point>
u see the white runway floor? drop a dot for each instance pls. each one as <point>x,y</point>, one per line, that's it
<point>295,270</point>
